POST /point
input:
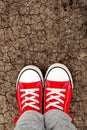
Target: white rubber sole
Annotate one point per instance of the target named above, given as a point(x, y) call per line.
point(30, 67)
point(60, 66)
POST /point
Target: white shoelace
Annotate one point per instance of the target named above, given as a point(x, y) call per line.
point(25, 94)
point(59, 94)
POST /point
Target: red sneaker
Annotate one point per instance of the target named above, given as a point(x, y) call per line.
point(29, 89)
point(58, 88)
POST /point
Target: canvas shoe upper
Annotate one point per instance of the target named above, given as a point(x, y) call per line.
point(58, 88)
point(29, 89)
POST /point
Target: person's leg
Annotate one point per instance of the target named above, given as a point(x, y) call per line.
point(57, 98)
point(58, 120)
point(29, 98)
point(30, 120)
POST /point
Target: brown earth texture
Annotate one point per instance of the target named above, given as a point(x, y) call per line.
point(42, 32)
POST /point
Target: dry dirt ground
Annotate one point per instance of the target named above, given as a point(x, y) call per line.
point(42, 32)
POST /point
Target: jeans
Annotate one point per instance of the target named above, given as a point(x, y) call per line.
point(52, 120)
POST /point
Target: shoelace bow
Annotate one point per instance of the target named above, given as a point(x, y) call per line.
point(59, 94)
point(26, 93)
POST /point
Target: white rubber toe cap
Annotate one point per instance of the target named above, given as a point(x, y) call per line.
point(58, 74)
point(29, 76)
